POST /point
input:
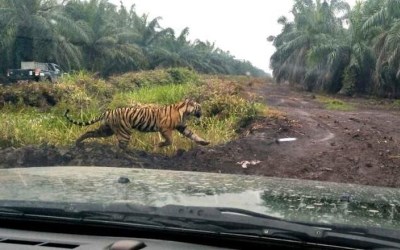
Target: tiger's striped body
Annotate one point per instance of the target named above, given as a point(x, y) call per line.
point(162, 119)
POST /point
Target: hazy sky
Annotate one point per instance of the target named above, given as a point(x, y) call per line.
point(238, 26)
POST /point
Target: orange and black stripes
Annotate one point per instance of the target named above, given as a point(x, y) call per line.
point(164, 119)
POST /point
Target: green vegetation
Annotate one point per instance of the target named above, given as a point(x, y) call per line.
point(329, 46)
point(165, 94)
point(396, 103)
point(98, 36)
point(134, 80)
point(38, 121)
point(335, 104)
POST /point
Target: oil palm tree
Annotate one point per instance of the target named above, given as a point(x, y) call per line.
point(311, 50)
point(110, 47)
point(39, 30)
point(150, 38)
point(358, 72)
point(385, 25)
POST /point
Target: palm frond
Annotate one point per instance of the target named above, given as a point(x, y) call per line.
point(69, 27)
point(380, 18)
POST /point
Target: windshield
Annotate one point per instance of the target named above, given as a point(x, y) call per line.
point(287, 109)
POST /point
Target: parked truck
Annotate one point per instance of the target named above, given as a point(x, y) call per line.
point(35, 71)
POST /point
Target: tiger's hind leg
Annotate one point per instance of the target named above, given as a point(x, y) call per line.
point(102, 131)
point(192, 136)
point(123, 137)
point(167, 134)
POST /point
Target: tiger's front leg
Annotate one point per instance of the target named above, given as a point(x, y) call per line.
point(192, 136)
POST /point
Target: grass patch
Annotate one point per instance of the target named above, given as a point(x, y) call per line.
point(165, 94)
point(396, 103)
point(26, 126)
point(335, 104)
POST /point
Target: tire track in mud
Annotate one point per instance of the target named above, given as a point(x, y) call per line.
point(295, 106)
point(313, 138)
point(318, 135)
point(353, 147)
point(323, 136)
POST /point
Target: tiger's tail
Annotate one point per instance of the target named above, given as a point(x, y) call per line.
point(80, 123)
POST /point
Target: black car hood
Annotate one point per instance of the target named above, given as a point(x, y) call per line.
point(299, 200)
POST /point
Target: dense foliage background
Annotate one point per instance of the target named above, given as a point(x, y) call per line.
point(329, 46)
point(101, 37)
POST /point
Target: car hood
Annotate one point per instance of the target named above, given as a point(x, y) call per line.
point(299, 200)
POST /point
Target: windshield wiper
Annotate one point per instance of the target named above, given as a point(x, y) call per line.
point(77, 212)
point(242, 221)
point(213, 220)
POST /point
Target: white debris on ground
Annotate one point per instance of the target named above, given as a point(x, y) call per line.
point(287, 139)
point(246, 163)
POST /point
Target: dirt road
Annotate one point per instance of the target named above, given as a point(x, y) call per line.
point(359, 146)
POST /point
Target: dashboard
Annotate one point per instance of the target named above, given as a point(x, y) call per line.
point(29, 234)
point(11, 239)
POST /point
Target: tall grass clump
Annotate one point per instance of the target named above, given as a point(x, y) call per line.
point(89, 83)
point(225, 111)
point(134, 80)
point(25, 126)
point(165, 94)
point(235, 112)
point(30, 126)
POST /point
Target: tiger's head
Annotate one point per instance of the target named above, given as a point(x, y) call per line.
point(192, 108)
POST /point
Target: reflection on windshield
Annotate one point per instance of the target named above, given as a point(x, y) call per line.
point(327, 209)
point(320, 202)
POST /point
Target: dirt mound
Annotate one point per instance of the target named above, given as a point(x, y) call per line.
point(30, 94)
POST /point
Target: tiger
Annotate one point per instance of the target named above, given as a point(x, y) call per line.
point(144, 118)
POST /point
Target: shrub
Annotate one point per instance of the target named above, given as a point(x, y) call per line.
point(237, 110)
point(133, 80)
point(89, 83)
point(183, 75)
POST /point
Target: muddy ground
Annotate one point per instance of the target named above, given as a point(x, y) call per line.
point(359, 146)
